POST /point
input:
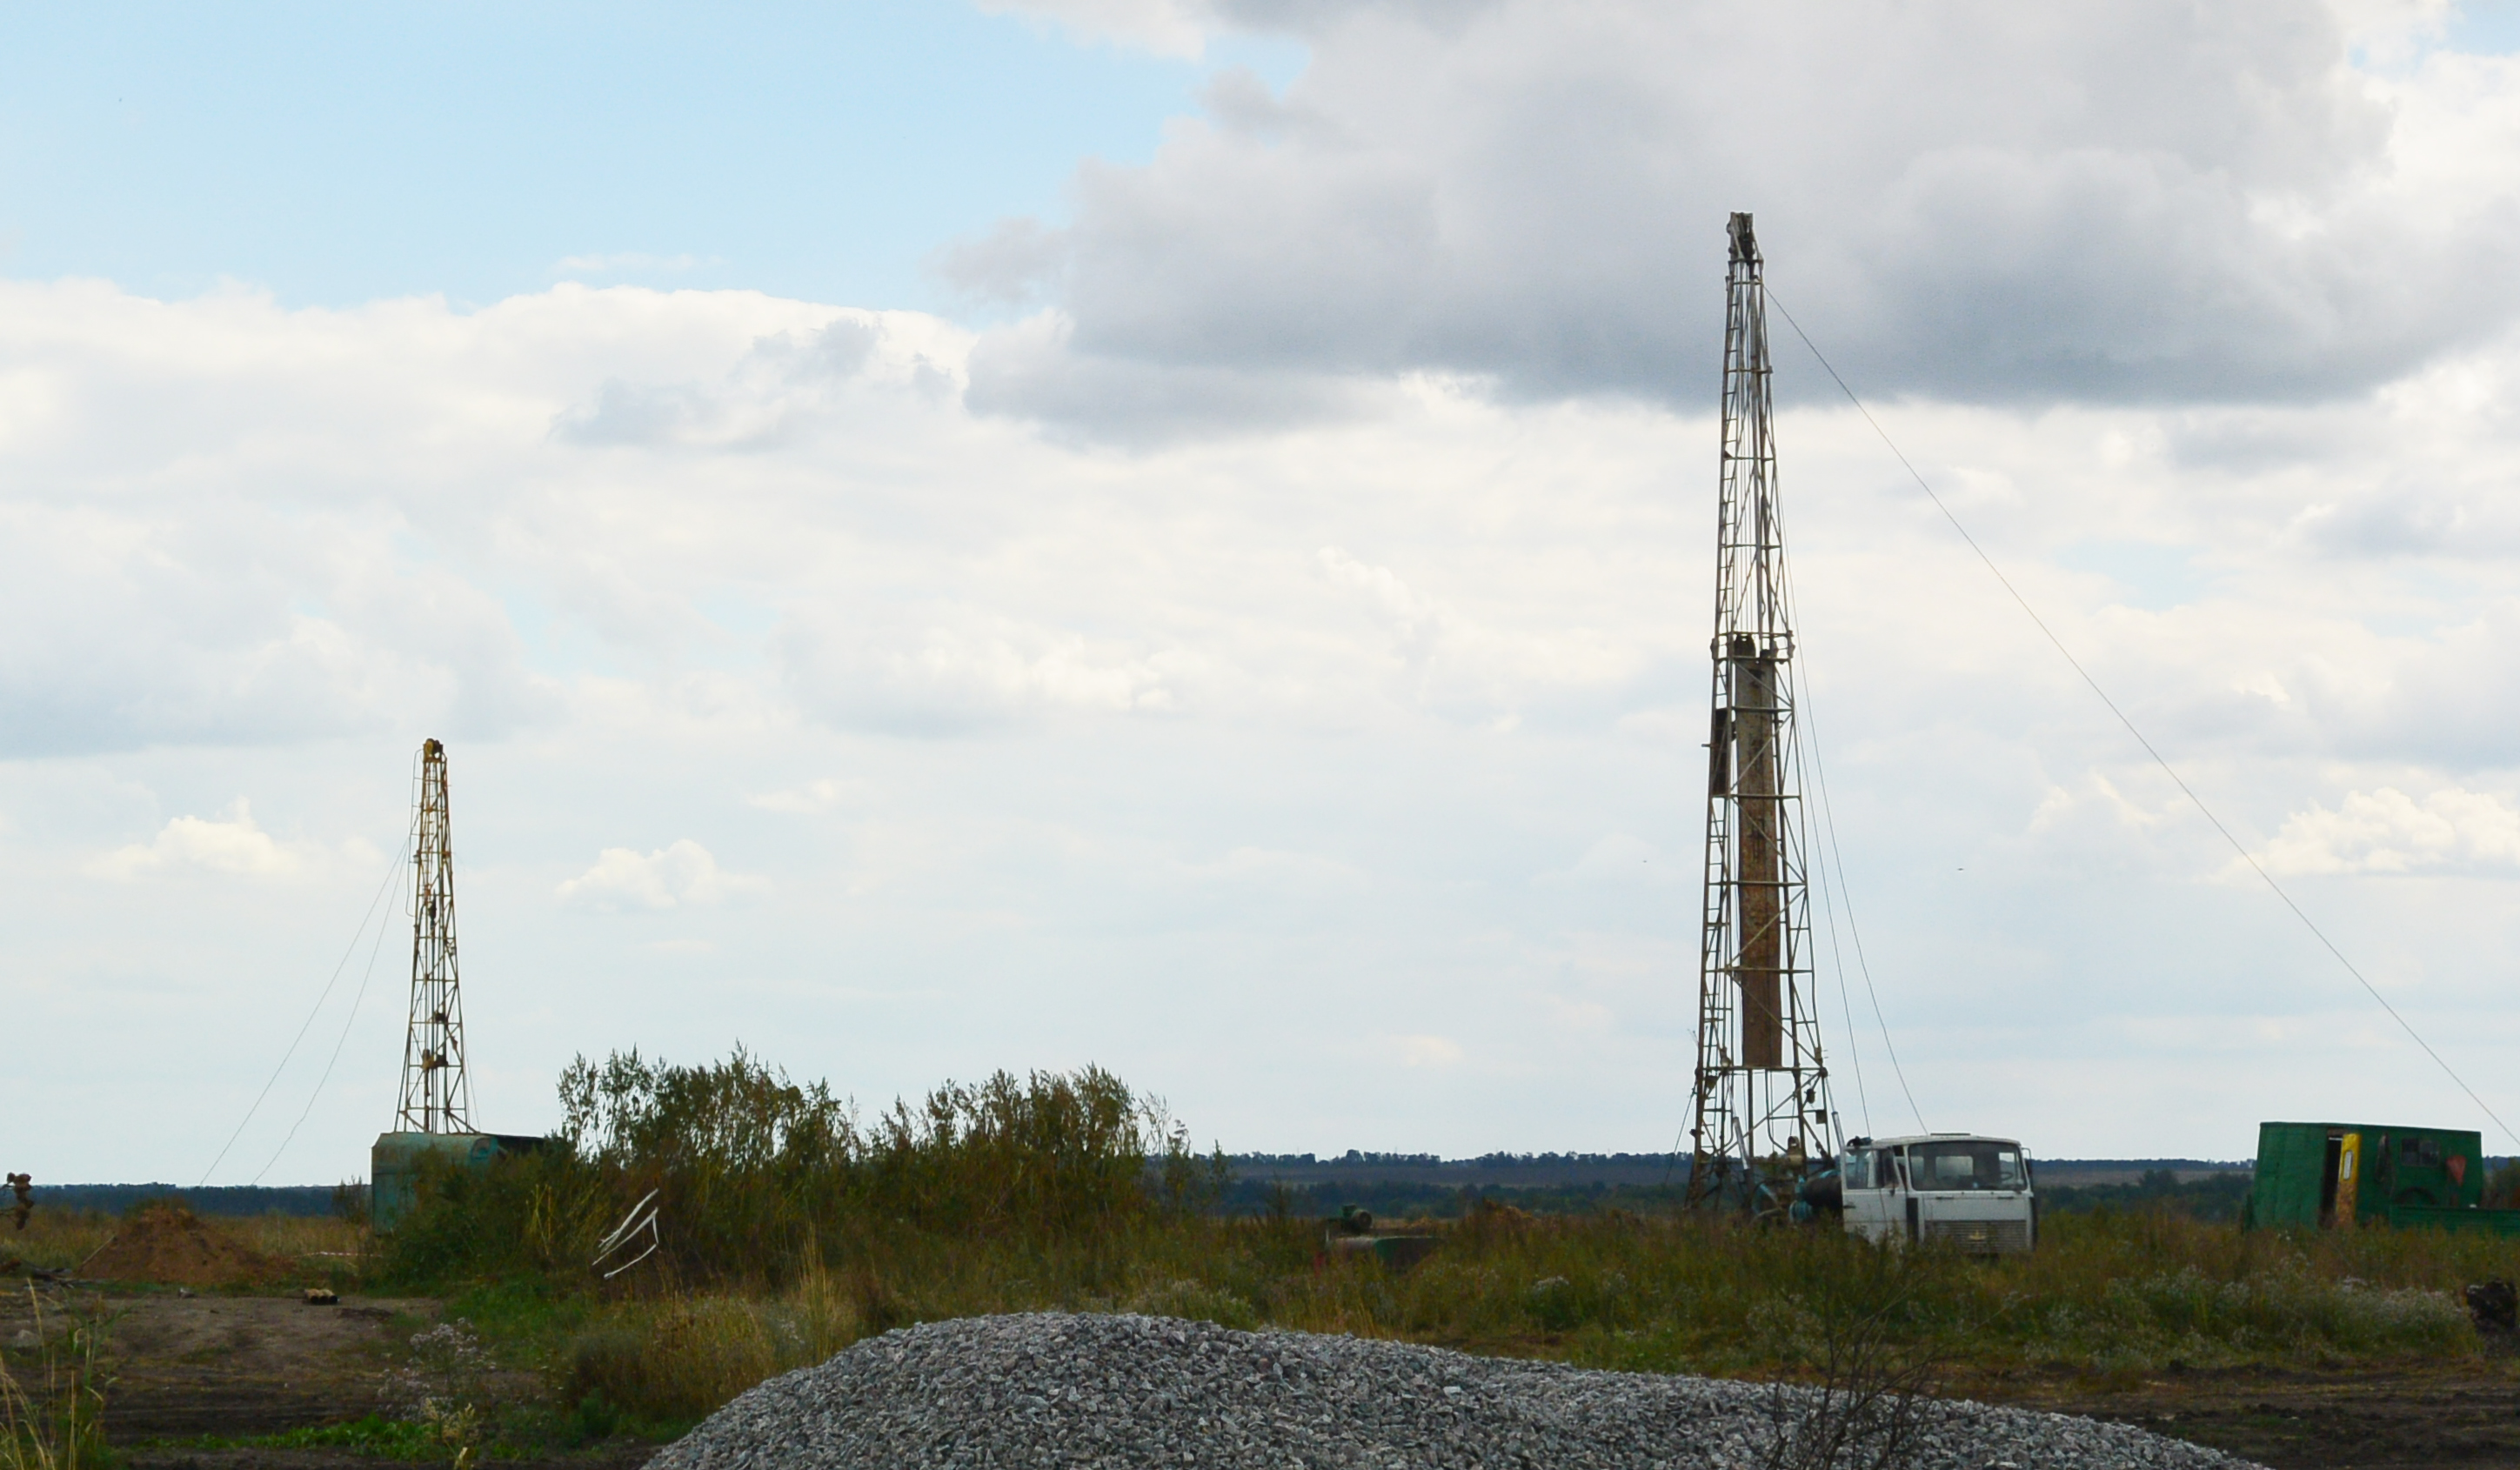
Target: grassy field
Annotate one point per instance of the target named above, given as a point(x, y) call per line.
point(2109, 1294)
point(790, 1231)
point(2112, 1294)
point(59, 1239)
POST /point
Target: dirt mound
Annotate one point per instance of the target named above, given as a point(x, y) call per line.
point(167, 1243)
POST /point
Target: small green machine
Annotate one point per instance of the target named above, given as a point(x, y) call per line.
point(2335, 1176)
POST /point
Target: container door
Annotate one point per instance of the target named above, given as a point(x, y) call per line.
point(2349, 1176)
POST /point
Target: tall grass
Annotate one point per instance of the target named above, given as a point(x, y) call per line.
point(678, 1356)
point(60, 1240)
point(57, 1238)
point(312, 1240)
point(52, 1394)
point(791, 1228)
point(753, 1174)
point(2106, 1294)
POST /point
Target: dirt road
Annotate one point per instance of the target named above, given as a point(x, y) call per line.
point(236, 1365)
point(231, 1365)
point(2362, 1419)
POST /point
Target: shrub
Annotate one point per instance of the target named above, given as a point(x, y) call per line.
point(755, 1177)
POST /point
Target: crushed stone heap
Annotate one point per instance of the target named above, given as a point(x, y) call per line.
point(1056, 1389)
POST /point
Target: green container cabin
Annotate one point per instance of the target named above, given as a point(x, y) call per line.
point(394, 1166)
point(2329, 1175)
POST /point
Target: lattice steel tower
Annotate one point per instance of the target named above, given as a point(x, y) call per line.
point(1760, 1116)
point(435, 1098)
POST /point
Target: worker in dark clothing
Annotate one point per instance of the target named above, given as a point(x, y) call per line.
point(24, 1187)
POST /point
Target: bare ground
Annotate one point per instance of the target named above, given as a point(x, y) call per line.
point(234, 1367)
point(240, 1365)
point(2412, 1419)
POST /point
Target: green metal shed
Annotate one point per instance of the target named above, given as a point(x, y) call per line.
point(2323, 1176)
point(394, 1166)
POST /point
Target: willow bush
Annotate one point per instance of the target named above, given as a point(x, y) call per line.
point(754, 1176)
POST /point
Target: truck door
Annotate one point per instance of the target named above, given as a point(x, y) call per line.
point(1869, 1209)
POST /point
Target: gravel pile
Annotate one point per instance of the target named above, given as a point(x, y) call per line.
point(1053, 1389)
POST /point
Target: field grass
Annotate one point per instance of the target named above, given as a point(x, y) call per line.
point(61, 1239)
point(2107, 1294)
point(790, 1229)
point(56, 1239)
point(2110, 1293)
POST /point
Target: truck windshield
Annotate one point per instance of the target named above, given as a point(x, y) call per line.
point(1973, 1164)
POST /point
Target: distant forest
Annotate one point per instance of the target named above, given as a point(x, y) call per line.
point(1394, 1187)
point(217, 1199)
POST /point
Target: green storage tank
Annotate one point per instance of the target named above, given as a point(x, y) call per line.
point(2326, 1176)
point(395, 1162)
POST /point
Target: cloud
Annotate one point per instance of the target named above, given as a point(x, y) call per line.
point(1165, 27)
point(784, 386)
point(964, 675)
point(676, 877)
point(1297, 711)
point(1030, 371)
point(818, 796)
point(1622, 859)
point(2387, 832)
point(630, 261)
point(1429, 1052)
point(2090, 202)
point(1260, 866)
point(228, 844)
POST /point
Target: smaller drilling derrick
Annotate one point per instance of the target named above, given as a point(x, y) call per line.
point(1760, 1116)
point(435, 1096)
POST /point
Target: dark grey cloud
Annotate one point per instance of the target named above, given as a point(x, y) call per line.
point(1031, 372)
point(2138, 201)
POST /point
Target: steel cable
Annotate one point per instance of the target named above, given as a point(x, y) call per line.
point(1837, 859)
point(356, 1000)
point(311, 1014)
point(2187, 790)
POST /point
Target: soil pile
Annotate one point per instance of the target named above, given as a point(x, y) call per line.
point(167, 1243)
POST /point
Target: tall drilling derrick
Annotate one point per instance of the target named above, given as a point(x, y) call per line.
point(435, 1098)
point(1760, 1116)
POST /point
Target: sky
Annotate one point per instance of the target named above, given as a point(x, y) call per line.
point(1176, 534)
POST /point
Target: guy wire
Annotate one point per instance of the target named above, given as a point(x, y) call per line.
point(2157, 759)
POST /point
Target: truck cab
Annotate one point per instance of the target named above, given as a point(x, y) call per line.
point(1969, 1191)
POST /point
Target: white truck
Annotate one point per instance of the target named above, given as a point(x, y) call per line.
point(1966, 1192)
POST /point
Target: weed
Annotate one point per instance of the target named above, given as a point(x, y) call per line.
point(790, 1229)
point(594, 1419)
point(374, 1436)
point(57, 1422)
point(680, 1356)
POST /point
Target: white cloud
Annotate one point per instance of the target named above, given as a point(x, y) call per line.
point(227, 845)
point(671, 877)
point(817, 795)
point(1430, 1052)
point(1260, 866)
point(2386, 831)
point(2151, 202)
point(626, 261)
point(985, 674)
point(2095, 793)
point(679, 557)
point(1623, 859)
point(1165, 27)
